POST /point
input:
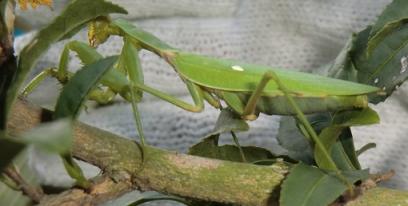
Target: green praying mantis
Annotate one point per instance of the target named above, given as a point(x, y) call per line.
point(247, 89)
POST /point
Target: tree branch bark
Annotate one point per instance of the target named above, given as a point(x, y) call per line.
point(174, 173)
point(102, 190)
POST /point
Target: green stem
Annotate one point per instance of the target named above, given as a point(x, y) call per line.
point(136, 116)
point(235, 138)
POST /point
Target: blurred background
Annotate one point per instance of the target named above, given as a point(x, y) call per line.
point(298, 34)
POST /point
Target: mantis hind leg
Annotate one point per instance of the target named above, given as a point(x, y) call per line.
point(249, 110)
point(250, 107)
point(270, 75)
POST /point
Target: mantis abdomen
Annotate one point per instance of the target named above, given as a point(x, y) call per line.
point(279, 105)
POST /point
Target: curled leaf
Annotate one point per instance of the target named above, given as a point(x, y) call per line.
point(366, 147)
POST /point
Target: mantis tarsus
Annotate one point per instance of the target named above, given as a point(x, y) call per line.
point(247, 89)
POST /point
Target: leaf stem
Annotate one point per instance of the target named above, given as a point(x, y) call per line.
point(34, 193)
point(235, 138)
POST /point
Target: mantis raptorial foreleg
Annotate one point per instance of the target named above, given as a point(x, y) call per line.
point(62, 74)
point(35, 82)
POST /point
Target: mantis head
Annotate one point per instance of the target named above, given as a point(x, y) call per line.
point(99, 30)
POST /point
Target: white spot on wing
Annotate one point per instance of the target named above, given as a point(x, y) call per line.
point(404, 64)
point(376, 80)
point(237, 68)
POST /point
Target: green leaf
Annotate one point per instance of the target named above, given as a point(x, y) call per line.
point(356, 118)
point(344, 152)
point(229, 121)
point(73, 31)
point(71, 99)
point(12, 197)
point(209, 147)
point(77, 13)
point(387, 66)
point(390, 27)
point(393, 16)
point(310, 186)
point(342, 67)
point(9, 148)
point(76, 90)
point(396, 10)
point(291, 139)
point(155, 196)
point(328, 137)
point(137, 198)
point(54, 137)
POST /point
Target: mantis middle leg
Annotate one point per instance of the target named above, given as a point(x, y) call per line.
point(194, 90)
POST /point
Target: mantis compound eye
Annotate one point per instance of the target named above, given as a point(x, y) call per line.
point(99, 31)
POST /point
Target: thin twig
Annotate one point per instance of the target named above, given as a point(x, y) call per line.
point(33, 192)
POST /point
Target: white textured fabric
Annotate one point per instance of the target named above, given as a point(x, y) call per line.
point(300, 34)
